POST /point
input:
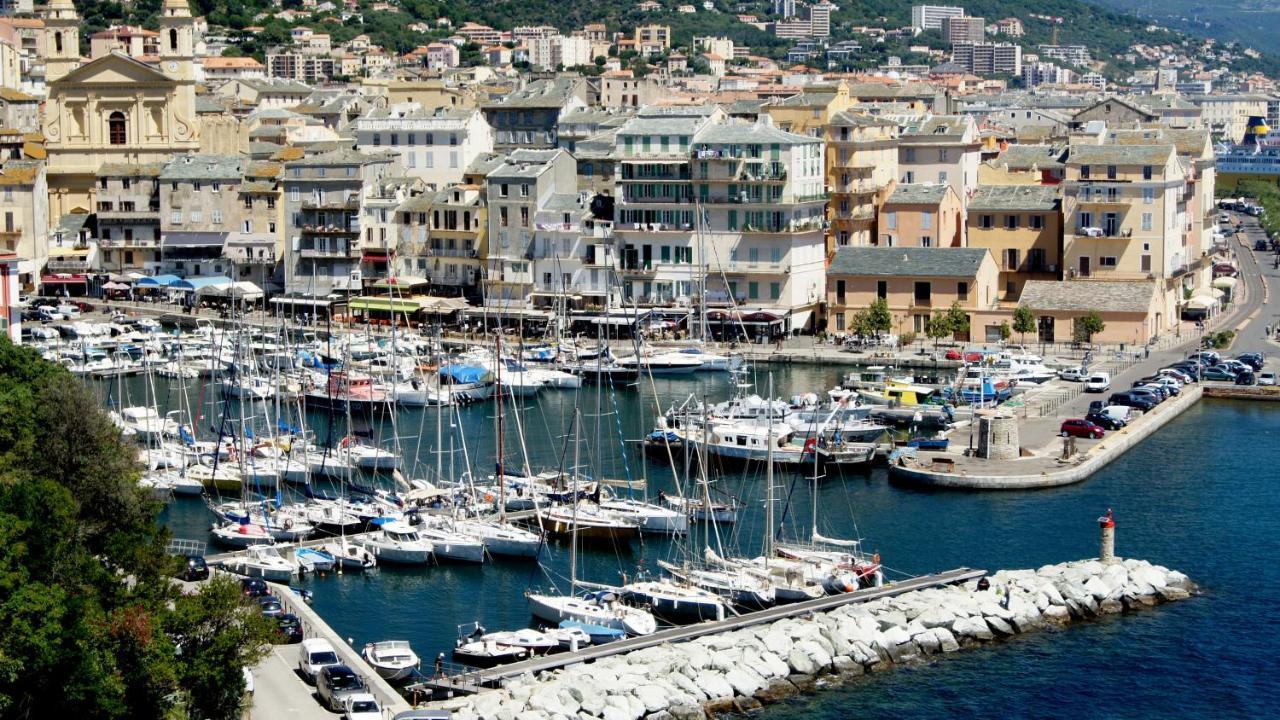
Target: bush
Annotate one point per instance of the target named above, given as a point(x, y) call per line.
point(1220, 340)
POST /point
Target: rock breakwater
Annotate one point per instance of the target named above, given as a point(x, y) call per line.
point(740, 670)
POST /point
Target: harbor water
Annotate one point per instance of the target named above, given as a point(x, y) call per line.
point(1197, 496)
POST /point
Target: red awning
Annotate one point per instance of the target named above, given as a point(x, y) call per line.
point(374, 258)
point(64, 279)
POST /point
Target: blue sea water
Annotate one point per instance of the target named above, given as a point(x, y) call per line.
point(1198, 496)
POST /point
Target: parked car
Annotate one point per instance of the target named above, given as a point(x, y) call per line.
point(290, 628)
point(1098, 382)
point(1082, 428)
point(254, 587)
point(315, 655)
point(1176, 374)
point(1171, 386)
point(336, 683)
point(195, 568)
point(1104, 421)
point(1073, 374)
point(1236, 366)
point(1260, 244)
point(361, 707)
point(68, 310)
point(1133, 400)
point(1247, 378)
point(1209, 356)
point(1266, 377)
point(270, 606)
point(1159, 391)
point(46, 314)
point(1151, 393)
point(1217, 372)
point(1252, 359)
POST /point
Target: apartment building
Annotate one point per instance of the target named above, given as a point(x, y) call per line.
point(940, 149)
point(443, 238)
point(653, 39)
point(1126, 207)
point(1226, 116)
point(862, 168)
point(24, 218)
point(200, 206)
point(292, 65)
point(1022, 227)
point(915, 283)
point(964, 29)
point(556, 52)
point(324, 196)
point(926, 216)
point(526, 118)
point(435, 145)
point(532, 243)
point(988, 58)
point(128, 212)
point(930, 17)
point(257, 246)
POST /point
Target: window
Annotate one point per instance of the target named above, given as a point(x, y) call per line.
point(502, 216)
point(891, 220)
point(294, 194)
point(503, 190)
point(909, 177)
point(413, 138)
point(1084, 172)
point(195, 216)
point(195, 186)
point(775, 290)
point(57, 42)
point(942, 177)
point(116, 129)
point(395, 138)
point(271, 228)
point(248, 202)
point(215, 217)
point(908, 155)
point(453, 158)
point(942, 155)
point(524, 217)
point(926, 241)
point(882, 289)
point(1010, 222)
point(840, 292)
point(524, 190)
point(1148, 196)
point(1146, 221)
point(775, 255)
point(1011, 259)
point(124, 183)
point(1146, 263)
point(926, 220)
point(175, 217)
point(1146, 172)
point(753, 290)
point(840, 320)
point(217, 186)
point(753, 255)
point(377, 139)
point(173, 39)
point(986, 222)
point(962, 290)
point(1037, 222)
point(246, 226)
point(1111, 172)
point(923, 293)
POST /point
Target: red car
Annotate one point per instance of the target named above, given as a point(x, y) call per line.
point(969, 357)
point(1081, 428)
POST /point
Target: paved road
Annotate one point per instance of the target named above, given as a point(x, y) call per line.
point(279, 692)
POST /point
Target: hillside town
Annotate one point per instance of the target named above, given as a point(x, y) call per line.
point(615, 171)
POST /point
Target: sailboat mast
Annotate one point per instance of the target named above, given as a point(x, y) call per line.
point(502, 485)
point(573, 535)
point(768, 465)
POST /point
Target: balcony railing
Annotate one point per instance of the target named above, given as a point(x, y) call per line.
point(350, 229)
point(1103, 232)
point(150, 214)
point(327, 253)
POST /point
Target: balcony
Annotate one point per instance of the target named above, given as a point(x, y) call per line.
point(67, 266)
point(152, 214)
point(11, 232)
point(350, 229)
point(739, 267)
point(557, 227)
point(1026, 267)
point(656, 227)
point(1109, 233)
point(327, 253)
point(347, 204)
point(452, 252)
point(1105, 201)
point(860, 213)
point(128, 243)
point(675, 173)
point(625, 199)
point(1107, 273)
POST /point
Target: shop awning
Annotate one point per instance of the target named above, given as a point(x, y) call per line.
point(197, 284)
point(243, 289)
point(1205, 302)
point(114, 286)
point(304, 301)
point(370, 257)
point(405, 305)
point(401, 281)
point(1225, 283)
point(64, 279)
point(158, 281)
point(510, 313)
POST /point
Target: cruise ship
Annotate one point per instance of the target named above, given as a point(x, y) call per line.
point(1256, 158)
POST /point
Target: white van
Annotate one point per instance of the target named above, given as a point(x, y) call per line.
point(1098, 382)
point(1120, 413)
point(314, 655)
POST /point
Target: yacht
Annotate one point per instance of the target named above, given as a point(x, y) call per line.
point(661, 363)
point(589, 521)
point(263, 561)
point(398, 542)
point(676, 602)
point(601, 607)
point(393, 660)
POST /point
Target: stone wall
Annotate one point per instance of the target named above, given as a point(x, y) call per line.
point(741, 670)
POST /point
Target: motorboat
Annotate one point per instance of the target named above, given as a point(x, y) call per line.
point(250, 387)
point(349, 556)
point(392, 659)
point(241, 534)
point(148, 425)
point(667, 363)
point(487, 653)
point(602, 608)
point(711, 362)
point(597, 634)
point(314, 559)
point(466, 382)
point(398, 542)
point(367, 457)
point(263, 561)
point(450, 544)
point(501, 538)
point(897, 393)
point(651, 519)
point(347, 391)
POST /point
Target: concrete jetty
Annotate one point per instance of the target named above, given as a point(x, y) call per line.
point(738, 671)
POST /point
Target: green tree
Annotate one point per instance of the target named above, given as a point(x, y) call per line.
point(860, 324)
point(1005, 330)
point(88, 612)
point(1086, 326)
point(1024, 321)
point(879, 319)
point(938, 327)
point(959, 318)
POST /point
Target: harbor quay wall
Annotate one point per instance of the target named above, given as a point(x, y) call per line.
point(1113, 446)
point(740, 670)
point(313, 626)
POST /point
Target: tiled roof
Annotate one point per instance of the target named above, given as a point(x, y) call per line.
point(912, 262)
point(1014, 197)
point(1119, 154)
point(918, 194)
point(203, 167)
point(130, 169)
point(1086, 295)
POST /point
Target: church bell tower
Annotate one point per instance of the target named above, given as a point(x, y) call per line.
point(62, 40)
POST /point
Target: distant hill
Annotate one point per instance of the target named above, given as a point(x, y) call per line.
point(1253, 23)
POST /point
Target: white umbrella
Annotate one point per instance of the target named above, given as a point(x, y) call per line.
point(1225, 283)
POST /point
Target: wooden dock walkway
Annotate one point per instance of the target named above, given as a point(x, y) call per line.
point(470, 682)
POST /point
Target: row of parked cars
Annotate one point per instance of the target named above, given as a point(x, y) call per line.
point(1243, 369)
point(47, 309)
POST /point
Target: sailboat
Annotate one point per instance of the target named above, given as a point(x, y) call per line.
point(602, 607)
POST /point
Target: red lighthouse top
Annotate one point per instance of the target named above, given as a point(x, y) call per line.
point(1108, 520)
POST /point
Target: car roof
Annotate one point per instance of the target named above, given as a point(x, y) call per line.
point(314, 644)
point(338, 670)
point(361, 697)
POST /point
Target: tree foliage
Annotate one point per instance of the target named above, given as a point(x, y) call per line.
point(879, 319)
point(1086, 326)
point(958, 318)
point(1024, 321)
point(86, 625)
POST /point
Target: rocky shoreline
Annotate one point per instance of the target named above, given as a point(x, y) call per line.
point(739, 671)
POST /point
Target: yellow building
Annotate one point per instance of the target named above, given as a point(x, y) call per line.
point(862, 163)
point(114, 109)
point(1022, 227)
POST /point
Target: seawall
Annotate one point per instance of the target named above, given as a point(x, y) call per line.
point(739, 671)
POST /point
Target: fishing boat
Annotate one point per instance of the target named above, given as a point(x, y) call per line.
point(397, 542)
point(393, 660)
point(897, 393)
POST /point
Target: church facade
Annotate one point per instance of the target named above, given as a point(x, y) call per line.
point(114, 109)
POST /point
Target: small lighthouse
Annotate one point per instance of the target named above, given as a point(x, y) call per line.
point(1107, 539)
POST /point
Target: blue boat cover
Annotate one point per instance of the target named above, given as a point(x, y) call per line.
point(460, 374)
